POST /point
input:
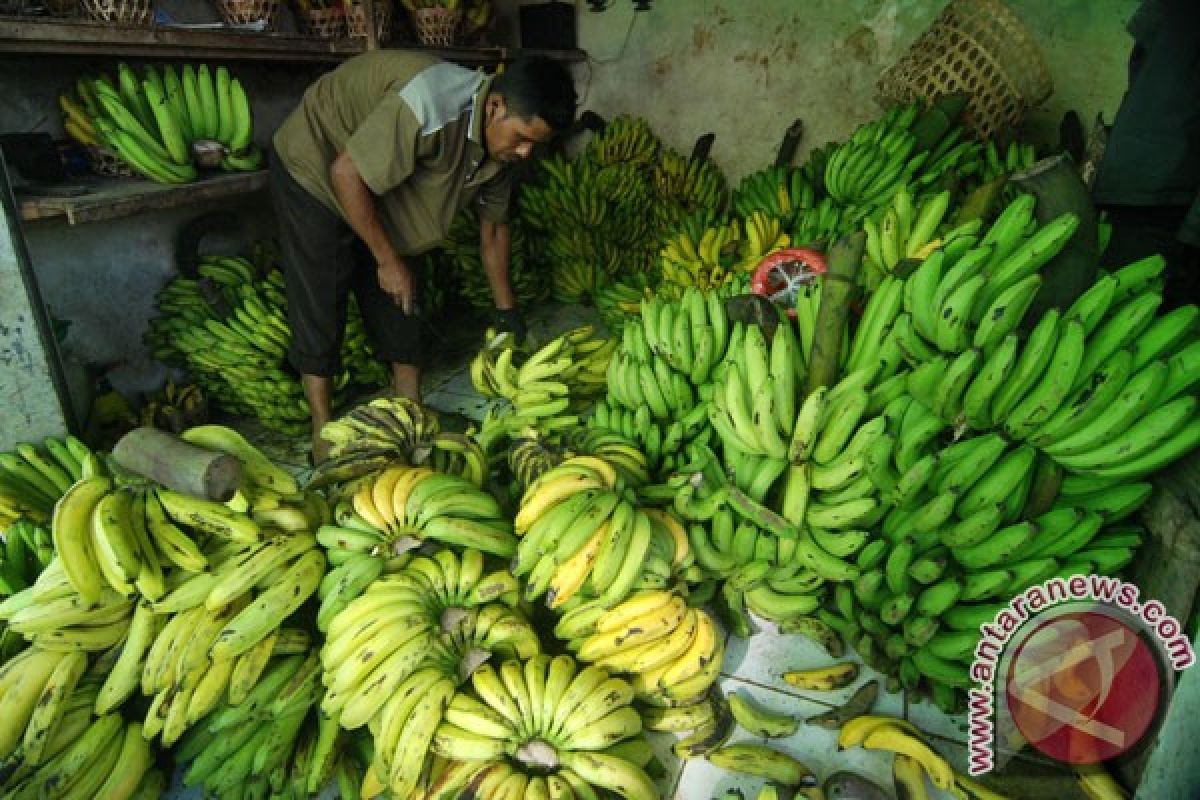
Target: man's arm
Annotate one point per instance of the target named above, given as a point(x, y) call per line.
point(494, 250)
point(358, 204)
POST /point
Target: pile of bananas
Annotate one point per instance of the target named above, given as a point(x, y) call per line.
point(1017, 156)
point(874, 163)
point(706, 253)
point(550, 385)
point(229, 328)
point(54, 742)
point(417, 633)
point(33, 478)
point(541, 727)
point(175, 408)
point(602, 214)
point(395, 430)
point(530, 284)
point(778, 192)
point(686, 186)
point(154, 123)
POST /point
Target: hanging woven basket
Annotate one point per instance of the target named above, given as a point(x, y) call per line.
point(325, 23)
point(356, 20)
point(249, 12)
point(437, 27)
point(120, 12)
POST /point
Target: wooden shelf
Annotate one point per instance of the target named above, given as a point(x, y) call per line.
point(111, 198)
point(22, 36)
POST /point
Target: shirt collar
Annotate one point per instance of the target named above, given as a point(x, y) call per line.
point(485, 167)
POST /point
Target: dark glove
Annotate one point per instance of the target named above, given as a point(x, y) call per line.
point(510, 320)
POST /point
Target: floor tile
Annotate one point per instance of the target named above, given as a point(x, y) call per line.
point(815, 747)
point(763, 658)
point(929, 718)
point(672, 766)
point(471, 405)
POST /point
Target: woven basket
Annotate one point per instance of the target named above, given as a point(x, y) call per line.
point(978, 47)
point(107, 163)
point(246, 12)
point(325, 23)
point(356, 20)
point(437, 27)
point(123, 12)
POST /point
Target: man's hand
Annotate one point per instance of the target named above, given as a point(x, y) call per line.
point(510, 320)
point(396, 280)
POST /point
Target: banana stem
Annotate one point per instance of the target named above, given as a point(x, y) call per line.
point(840, 288)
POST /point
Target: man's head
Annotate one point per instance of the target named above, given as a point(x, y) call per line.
point(531, 101)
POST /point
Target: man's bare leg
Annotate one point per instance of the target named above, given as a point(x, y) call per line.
point(318, 389)
point(406, 381)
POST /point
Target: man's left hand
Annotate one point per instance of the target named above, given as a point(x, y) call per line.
point(510, 320)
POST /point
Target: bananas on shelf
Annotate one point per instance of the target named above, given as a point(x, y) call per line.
point(229, 328)
point(153, 122)
point(542, 727)
point(530, 284)
point(34, 476)
point(394, 430)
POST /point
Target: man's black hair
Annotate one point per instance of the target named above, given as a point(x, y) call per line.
point(536, 86)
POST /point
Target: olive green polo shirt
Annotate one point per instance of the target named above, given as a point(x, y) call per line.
point(413, 126)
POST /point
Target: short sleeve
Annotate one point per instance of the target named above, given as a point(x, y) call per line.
point(493, 198)
point(384, 147)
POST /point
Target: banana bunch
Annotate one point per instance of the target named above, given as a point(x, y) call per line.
point(582, 542)
point(624, 140)
point(548, 385)
point(27, 549)
point(529, 284)
point(33, 478)
point(671, 653)
point(619, 451)
point(753, 407)
point(618, 300)
point(80, 755)
point(394, 430)
point(906, 230)
point(539, 728)
point(153, 122)
point(1017, 156)
point(229, 328)
point(662, 444)
point(601, 215)
point(761, 571)
point(778, 192)
point(211, 636)
point(820, 225)
point(685, 187)
point(701, 252)
point(530, 455)
point(403, 506)
point(875, 162)
point(260, 745)
point(175, 408)
point(394, 647)
point(971, 294)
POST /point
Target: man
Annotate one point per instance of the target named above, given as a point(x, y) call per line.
point(369, 171)
point(1149, 178)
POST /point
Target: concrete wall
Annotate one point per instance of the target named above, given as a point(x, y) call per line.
point(745, 70)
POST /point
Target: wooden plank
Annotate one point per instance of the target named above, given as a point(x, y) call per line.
point(94, 38)
point(120, 198)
